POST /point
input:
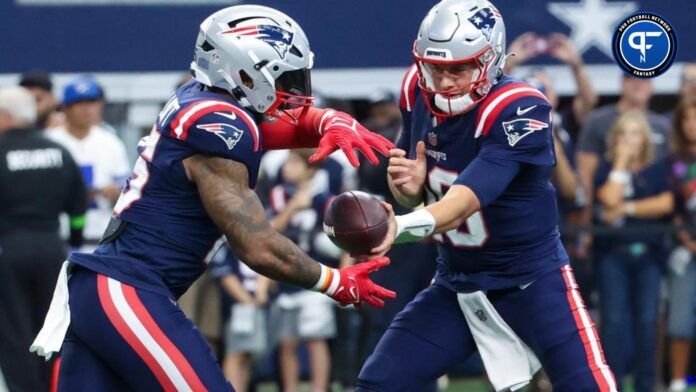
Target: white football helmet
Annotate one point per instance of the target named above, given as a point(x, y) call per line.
point(259, 55)
point(457, 32)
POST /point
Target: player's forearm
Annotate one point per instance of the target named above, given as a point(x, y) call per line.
point(458, 204)
point(454, 209)
point(238, 213)
point(280, 259)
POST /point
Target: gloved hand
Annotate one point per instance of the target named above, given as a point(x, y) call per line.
point(352, 285)
point(340, 130)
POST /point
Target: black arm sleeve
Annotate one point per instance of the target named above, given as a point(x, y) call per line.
point(76, 203)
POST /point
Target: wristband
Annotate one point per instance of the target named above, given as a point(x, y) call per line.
point(630, 208)
point(621, 177)
point(414, 226)
point(78, 222)
point(328, 280)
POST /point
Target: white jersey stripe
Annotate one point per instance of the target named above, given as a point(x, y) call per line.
point(249, 121)
point(179, 130)
point(192, 110)
point(491, 106)
point(411, 74)
point(587, 324)
point(138, 329)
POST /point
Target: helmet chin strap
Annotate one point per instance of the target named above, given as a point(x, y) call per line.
point(453, 105)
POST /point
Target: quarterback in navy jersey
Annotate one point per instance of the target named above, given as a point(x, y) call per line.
point(116, 318)
point(477, 149)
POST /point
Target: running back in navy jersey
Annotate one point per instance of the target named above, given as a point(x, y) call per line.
point(168, 231)
point(514, 238)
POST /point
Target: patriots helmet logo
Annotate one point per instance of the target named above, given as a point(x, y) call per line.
point(277, 37)
point(226, 132)
point(521, 127)
point(432, 138)
point(484, 20)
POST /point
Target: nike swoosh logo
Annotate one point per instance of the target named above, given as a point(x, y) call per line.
point(353, 290)
point(353, 293)
point(521, 112)
point(231, 116)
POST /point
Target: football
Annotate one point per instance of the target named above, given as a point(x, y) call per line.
point(356, 222)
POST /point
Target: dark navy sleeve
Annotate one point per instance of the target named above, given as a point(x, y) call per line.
point(409, 90)
point(404, 140)
point(522, 133)
point(488, 178)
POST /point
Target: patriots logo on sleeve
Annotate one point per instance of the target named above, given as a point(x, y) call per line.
point(521, 127)
point(276, 36)
point(226, 132)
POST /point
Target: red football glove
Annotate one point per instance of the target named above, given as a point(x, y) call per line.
point(352, 285)
point(340, 130)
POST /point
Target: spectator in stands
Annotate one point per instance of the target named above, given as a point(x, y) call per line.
point(385, 119)
point(633, 193)
point(688, 81)
point(560, 47)
point(40, 85)
point(246, 335)
point(100, 154)
point(635, 95)
point(300, 315)
point(39, 180)
point(682, 271)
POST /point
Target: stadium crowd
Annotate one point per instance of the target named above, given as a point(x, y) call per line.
point(626, 183)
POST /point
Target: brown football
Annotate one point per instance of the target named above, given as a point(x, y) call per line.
point(356, 222)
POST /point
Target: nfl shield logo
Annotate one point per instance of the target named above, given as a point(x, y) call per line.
point(432, 138)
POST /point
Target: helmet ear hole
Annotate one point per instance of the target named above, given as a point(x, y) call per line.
point(296, 51)
point(246, 79)
point(206, 46)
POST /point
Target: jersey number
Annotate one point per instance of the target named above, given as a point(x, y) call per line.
point(134, 188)
point(473, 233)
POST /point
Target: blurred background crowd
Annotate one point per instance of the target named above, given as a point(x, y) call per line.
point(626, 184)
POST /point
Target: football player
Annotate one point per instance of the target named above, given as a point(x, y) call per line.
point(194, 179)
point(477, 149)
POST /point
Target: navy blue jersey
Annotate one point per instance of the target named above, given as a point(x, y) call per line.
point(168, 232)
point(503, 150)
